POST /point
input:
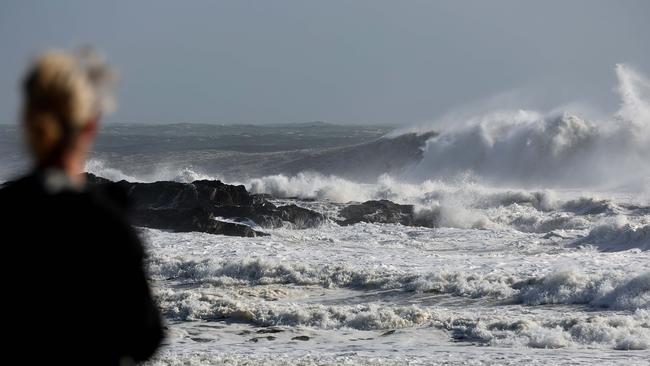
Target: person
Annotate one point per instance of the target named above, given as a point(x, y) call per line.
point(75, 288)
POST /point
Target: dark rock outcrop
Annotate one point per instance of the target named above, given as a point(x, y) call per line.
point(186, 220)
point(385, 212)
point(268, 215)
point(204, 205)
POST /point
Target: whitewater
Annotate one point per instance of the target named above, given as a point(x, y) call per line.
point(538, 250)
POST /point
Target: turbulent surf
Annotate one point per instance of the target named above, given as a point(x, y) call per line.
point(494, 238)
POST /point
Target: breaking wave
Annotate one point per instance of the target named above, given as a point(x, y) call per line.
point(606, 290)
point(461, 204)
point(611, 291)
point(532, 148)
point(516, 148)
point(617, 235)
point(618, 331)
point(184, 175)
point(621, 332)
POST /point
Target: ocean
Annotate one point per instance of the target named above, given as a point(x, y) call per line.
point(538, 251)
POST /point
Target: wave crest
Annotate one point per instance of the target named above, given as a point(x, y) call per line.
point(617, 235)
point(610, 290)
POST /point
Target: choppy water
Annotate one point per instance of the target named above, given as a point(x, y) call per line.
point(382, 294)
point(541, 254)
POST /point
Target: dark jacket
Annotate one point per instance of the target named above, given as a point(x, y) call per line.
point(74, 288)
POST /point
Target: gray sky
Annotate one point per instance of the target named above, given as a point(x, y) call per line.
point(339, 61)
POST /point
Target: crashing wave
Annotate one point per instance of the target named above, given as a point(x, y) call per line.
point(100, 168)
point(622, 332)
point(618, 332)
point(617, 235)
point(517, 148)
point(530, 148)
point(607, 291)
point(537, 224)
point(610, 290)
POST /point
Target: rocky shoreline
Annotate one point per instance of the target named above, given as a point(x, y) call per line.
point(214, 207)
point(204, 205)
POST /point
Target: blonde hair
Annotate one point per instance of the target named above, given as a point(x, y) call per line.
point(61, 93)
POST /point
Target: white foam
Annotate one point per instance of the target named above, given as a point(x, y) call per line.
point(256, 272)
point(99, 168)
point(311, 185)
point(618, 234)
point(507, 327)
point(533, 148)
point(622, 332)
point(184, 175)
point(462, 204)
point(609, 290)
point(612, 290)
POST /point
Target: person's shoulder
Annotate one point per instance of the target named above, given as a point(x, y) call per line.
point(16, 183)
point(110, 217)
point(18, 188)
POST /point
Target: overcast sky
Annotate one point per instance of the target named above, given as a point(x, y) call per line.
point(373, 61)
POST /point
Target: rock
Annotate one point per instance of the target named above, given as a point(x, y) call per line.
point(300, 338)
point(392, 331)
point(205, 206)
point(186, 195)
point(383, 211)
point(270, 216)
point(269, 330)
point(187, 220)
point(256, 339)
point(201, 340)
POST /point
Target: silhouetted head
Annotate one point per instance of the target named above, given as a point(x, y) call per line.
point(64, 95)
